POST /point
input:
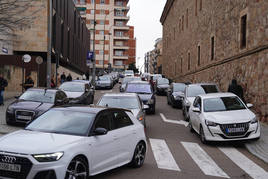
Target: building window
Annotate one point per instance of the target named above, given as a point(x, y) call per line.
point(181, 64)
point(189, 61)
point(101, 52)
point(212, 47)
point(187, 18)
point(92, 11)
point(182, 23)
point(92, 1)
point(198, 55)
point(91, 21)
point(102, 1)
point(102, 42)
point(102, 22)
point(119, 23)
point(119, 53)
point(195, 7)
point(200, 8)
point(243, 34)
point(101, 32)
point(102, 11)
point(174, 30)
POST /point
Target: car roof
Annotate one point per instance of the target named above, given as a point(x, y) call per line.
point(82, 81)
point(216, 95)
point(120, 94)
point(43, 89)
point(138, 82)
point(88, 109)
point(78, 82)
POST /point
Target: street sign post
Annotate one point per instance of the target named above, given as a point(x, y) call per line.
point(90, 57)
point(39, 60)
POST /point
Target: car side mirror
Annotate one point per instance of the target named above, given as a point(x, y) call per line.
point(249, 105)
point(16, 97)
point(59, 102)
point(196, 110)
point(100, 131)
point(145, 107)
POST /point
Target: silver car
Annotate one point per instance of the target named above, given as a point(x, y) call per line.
point(193, 90)
point(129, 101)
point(126, 80)
point(104, 82)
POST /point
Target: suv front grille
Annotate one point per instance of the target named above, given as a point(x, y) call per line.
point(24, 115)
point(226, 128)
point(25, 163)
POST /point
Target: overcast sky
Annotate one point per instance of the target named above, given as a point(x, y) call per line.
point(145, 17)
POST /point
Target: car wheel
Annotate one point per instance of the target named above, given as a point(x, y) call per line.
point(139, 155)
point(190, 126)
point(168, 101)
point(78, 168)
point(202, 135)
point(153, 110)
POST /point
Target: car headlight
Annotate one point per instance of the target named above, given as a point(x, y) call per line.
point(150, 101)
point(48, 157)
point(210, 123)
point(254, 120)
point(188, 103)
point(10, 110)
point(177, 97)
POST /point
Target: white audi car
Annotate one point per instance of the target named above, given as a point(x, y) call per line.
point(73, 142)
point(223, 117)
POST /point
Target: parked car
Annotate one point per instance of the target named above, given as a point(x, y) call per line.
point(32, 103)
point(129, 101)
point(104, 82)
point(162, 85)
point(125, 81)
point(175, 94)
point(68, 142)
point(129, 73)
point(193, 90)
point(78, 92)
point(145, 92)
point(223, 117)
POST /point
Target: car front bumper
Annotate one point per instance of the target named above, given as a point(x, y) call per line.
point(216, 134)
point(53, 170)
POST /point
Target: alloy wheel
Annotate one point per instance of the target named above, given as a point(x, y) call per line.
point(202, 136)
point(139, 155)
point(77, 169)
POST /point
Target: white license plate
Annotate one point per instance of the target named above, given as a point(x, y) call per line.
point(10, 167)
point(24, 117)
point(232, 130)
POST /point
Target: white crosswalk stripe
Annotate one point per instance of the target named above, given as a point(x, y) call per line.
point(162, 155)
point(244, 163)
point(203, 160)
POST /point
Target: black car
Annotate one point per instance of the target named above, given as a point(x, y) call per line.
point(145, 92)
point(33, 103)
point(79, 92)
point(175, 94)
point(162, 84)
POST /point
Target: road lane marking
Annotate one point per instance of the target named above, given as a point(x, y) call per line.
point(162, 155)
point(244, 163)
point(203, 160)
point(173, 121)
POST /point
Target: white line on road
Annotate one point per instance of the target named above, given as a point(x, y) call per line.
point(244, 163)
point(163, 156)
point(203, 160)
point(173, 121)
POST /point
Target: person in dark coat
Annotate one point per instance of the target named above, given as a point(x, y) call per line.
point(62, 78)
point(236, 89)
point(3, 84)
point(69, 77)
point(29, 83)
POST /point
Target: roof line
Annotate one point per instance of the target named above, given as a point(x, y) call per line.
point(165, 12)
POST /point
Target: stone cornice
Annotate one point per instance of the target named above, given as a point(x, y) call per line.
point(166, 11)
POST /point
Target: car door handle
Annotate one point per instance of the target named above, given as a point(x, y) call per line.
point(116, 138)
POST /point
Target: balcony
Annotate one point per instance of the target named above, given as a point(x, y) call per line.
point(122, 7)
point(124, 57)
point(124, 27)
point(121, 47)
point(121, 37)
point(121, 17)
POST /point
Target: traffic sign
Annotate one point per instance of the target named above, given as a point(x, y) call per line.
point(90, 55)
point(26, 58)
point(39, 60)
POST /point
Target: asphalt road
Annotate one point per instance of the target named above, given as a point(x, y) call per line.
point(174, 152)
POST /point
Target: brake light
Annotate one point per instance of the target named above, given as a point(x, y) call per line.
point(140, 119)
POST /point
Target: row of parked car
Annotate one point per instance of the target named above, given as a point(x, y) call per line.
point(63, 132)
point(214, 115)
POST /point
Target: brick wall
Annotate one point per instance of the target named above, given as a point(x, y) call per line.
point(189, 24)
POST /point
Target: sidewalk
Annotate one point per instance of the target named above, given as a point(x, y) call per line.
point(259, 148)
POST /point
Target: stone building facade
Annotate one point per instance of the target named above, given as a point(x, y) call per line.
point(216, 41)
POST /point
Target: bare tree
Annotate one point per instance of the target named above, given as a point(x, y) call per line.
point(16, 14)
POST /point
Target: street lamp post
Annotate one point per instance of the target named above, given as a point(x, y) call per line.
point(49, 42)
point(94, 55)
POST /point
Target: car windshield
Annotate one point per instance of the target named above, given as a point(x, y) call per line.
point(223, 104)
point(104, 78)
point(120, 102)
point(42, 96)
point(155, 77)
point(130, 72)
point(63, 122)
point(162, 81)
point(196, 90)
point(139, 88)
point(178, 87)
point(126, 80)
point(72, 87)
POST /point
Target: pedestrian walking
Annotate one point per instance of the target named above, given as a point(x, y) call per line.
point(3, 84)
point(69, 77)
point(29, 83)
point(52, 83)
point(62, 77)
point(236, 89)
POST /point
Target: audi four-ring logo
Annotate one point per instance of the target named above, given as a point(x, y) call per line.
point(8, 159)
